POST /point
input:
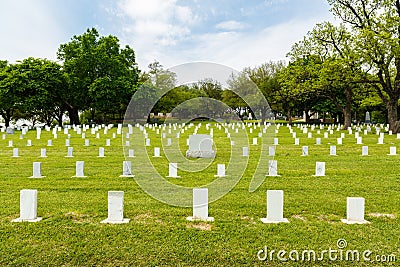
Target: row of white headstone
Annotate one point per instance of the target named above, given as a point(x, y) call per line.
point(126, 170)
point(43, 153)
point(67, 143)
point(79, 171)
point(173, 169)
point(29, 200)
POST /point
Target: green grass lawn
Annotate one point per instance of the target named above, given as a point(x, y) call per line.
point(158, 234)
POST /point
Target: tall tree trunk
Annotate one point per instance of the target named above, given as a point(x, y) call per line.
point(307, 117)
point(347, 118)
point(347, 109)
point(391, 107)
point(263, 114)
point(7, 121)
point(289, 114)
point(7, 117)
point(73, 116)
point(93, 113)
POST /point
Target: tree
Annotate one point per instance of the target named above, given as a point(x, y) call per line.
point(101, 76)
point(375, 25)
point(9, 98)
point(245, 96)
point(340, 69)
point(41, 90)
point(209, 88)
point(298, 90)
point(265, 77)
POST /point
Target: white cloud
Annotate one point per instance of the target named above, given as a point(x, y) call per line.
point(28, 29)
point(164, 30)
point(231, 25)
point(243, 49)
point(153, 25)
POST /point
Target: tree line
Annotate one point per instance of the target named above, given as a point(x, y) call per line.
point(339, 70)
point(93, 75)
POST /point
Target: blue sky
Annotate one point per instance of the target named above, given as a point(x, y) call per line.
point(235, 33)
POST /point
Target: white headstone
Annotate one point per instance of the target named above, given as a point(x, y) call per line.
point(200, 205)
point(131, 153)
point(271, 151)
point(309, 135)
point(67, 142)
point(43, 153)
point(276, 141)
point(380, 141)
point(10, 143)
point(296, 141)
point(318, 141)
point(355, 211)
point(127, 169)
point(173, 170)
point(37, 170)
point(28, 206)
point(245, 151)
point(326, 135)
point(127, 143)
point(115, 208)
point(220, 170)
point(200, 146)
point(364, 151)
point(101, 152)
point(169, 141)
point(255, 141)
point(274, 207)
point(273, 168)
point(319, 169)
point(332, 150)
point(15, 153)
point(69, 153)
point(156, 152)
point(339, 141)
point(80, 165)
point(108, 142)
point(392, 151)
point(147, 142)
point(49, 142)
point(28, 142)
point(304, 151)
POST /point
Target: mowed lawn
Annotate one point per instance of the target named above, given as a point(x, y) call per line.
point(158, 234)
